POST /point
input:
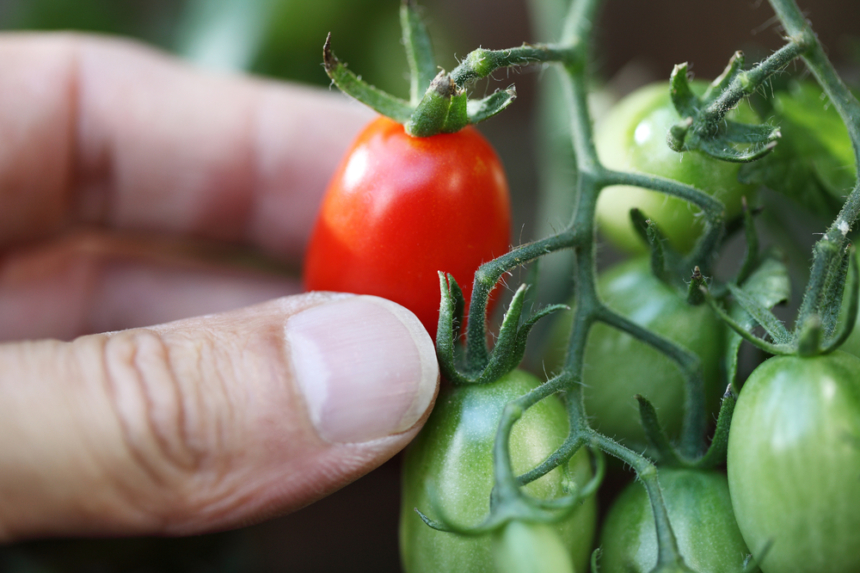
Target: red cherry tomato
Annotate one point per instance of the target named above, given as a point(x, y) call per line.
point(400, 208)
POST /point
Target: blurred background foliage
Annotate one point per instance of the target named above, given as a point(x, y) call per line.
point(637, 42)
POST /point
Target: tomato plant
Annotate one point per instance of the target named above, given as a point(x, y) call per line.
point(401, 208)
point(633, 137)
point(700, 510)
point(450, 464)
point(794, 463)
point(618, 366)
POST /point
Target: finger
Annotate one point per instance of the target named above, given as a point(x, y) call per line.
point(112, 133)
point(207, 423)
point(95, 282)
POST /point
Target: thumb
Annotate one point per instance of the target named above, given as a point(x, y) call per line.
point(207, 423)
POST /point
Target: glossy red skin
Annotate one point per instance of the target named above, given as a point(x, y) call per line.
point(400, 208)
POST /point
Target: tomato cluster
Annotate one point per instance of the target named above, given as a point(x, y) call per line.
point(402, 208)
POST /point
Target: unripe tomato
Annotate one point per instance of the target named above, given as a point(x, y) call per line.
point(452, 460)
point(618, 366)
point(794, 463)
point(530, 548)
point(401, 208)
point(700, 511)
point(632, 137)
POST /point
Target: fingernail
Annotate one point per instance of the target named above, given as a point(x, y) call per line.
point(365, 366)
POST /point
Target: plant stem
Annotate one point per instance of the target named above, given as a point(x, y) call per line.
point(667, 545)
point(830, 246)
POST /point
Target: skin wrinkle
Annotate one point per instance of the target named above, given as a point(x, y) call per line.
point(112, 381)
point(126, 488)
point(172, 439)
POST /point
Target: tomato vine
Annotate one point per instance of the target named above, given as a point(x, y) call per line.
point(439, 103)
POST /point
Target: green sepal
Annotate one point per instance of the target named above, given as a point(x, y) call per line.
point(664, 451)
point(720, 147)
point(419, 51)
point(762, 315)
point(353, 86)
point(482, 109)
point(458, 116)
point(451, 309)
point(431, 116)
point(510, 346)
point(719, 85)
point(685, 101)
point(595, 559)
point(666, 262)
point(751, 255)
point(768, 284)
point(716, 454)
point(695, 291)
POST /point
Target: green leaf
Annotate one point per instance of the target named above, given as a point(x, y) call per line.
point(769, 284)
point(813, 164)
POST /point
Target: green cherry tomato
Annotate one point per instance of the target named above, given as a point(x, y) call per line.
point(632, 137)
point(618, 366)
point(700, 511)
point(794, 463)
point(451, 462)
point(530, 548)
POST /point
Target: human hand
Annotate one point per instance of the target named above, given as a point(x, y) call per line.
point(117, 165)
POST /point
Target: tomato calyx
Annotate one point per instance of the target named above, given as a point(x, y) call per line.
point(704, 127)
point(438, 101)
point(475, 364)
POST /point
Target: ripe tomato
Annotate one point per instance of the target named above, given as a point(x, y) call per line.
point(451, 460)
point(618, 366)
point(401, 208)
point(794, 463)
point(700, 511)
point(632, 137)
